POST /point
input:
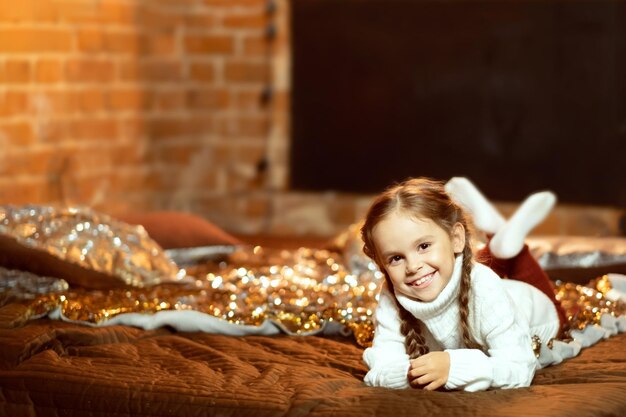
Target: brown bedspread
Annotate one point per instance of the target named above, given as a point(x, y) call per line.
point(55, 368)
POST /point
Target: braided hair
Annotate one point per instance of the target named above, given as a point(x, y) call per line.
point(422, 198)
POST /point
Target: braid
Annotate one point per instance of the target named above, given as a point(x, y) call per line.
point(411, 329)
point(464, 295)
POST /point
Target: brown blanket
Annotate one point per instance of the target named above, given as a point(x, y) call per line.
point(55, 368)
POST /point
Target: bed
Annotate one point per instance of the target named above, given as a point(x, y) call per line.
point(54, 367)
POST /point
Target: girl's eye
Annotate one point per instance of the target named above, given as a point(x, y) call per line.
point(394, 259)
point(424, 246)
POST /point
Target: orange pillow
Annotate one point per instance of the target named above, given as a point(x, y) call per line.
point(175, 229)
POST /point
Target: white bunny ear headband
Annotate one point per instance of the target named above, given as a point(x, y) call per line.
point(508, 235)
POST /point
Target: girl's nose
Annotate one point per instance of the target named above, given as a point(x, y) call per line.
point(412, 266)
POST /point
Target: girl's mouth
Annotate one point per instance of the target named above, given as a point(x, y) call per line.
point(423, 281)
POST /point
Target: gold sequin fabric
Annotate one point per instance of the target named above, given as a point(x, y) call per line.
point(91, 240)
point(585, 305)
point(300, 290)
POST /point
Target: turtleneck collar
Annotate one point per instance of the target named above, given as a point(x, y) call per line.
point(450, 293)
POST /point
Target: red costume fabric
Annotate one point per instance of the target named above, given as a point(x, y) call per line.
point(525, 268)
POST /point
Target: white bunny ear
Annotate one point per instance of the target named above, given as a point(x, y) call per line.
point(509, 240)
point(463, 192)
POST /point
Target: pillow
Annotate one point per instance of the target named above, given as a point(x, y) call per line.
point(173, 229)
point(85, 248)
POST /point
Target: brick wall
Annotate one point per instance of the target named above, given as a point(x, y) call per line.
point(131, 105)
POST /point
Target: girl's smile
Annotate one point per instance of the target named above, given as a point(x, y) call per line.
point(423, 282)
point(417, 254)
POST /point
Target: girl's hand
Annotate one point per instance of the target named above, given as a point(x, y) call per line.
point(430, 371)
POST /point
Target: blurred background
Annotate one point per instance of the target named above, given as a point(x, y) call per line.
point(285, 117)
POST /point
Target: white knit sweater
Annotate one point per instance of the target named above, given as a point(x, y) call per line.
point(503, 315)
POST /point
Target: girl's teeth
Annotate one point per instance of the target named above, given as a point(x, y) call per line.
point(422, 280)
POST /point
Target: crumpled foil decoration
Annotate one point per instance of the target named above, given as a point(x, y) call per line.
point(557, 252)
point(91, 240)
point(300, 290)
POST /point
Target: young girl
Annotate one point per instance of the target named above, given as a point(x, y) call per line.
point(444, 320)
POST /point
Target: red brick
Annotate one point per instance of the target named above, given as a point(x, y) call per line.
point(122, 42)
point(128, 99)
point(32, 163)
point(124, 182)
point(90, 40)
point(55, 102)
point(53, 193)
point(160, 18)
point(247, 72)
point(94, 158)
point(22, 11)
point(248, 100)
point(86, 190)
point(208, 179)
point(90, 70)
point(158, 44)
point(250, 154)
point(127, 154)
point(254, 46)
point(21, 192)
point(204, 72)
point(209, 44)
point(78, 12)
point(53, 131)
point(48, 71)
point(92, 129)
point(172, 128)
point(169, 100)
point(176, 5)
point(133, 128)
point(17, 71)
point(164, 178)
point(223, 152)
point(208, 99)
point(129, 70)
point(19, 133)
point(13, 103)
point(246, 21)
point(244, 126)
point(90, 100)
point(161, 70)
point(35, 40)
point(177, 155)
point(202, 21)
point(113, 12)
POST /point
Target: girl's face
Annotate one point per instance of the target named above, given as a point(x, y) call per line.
point(417, 254)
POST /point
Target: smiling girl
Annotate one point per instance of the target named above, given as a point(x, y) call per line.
point(444, 320)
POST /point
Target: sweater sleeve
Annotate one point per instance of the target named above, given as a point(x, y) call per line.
point(509, 361)
point(387, 358)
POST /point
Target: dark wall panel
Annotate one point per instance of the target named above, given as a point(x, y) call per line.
point(517, 95)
